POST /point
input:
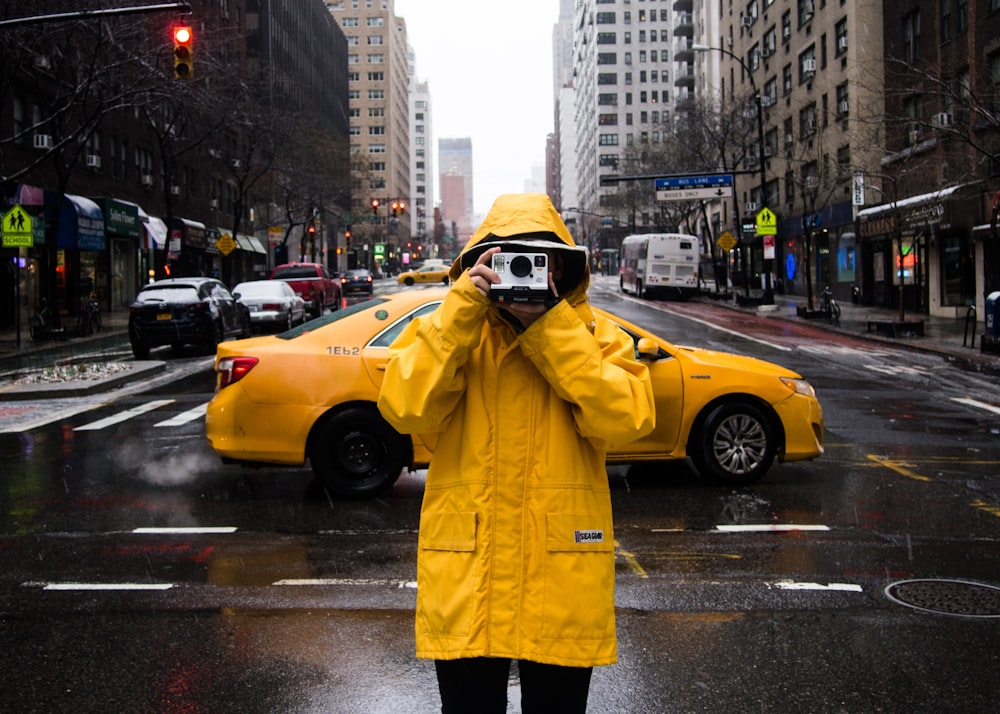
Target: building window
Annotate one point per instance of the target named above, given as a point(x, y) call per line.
point(607, 78)
point(840, 32)
point(606, 38)
point(911, 36)
point(607, 139)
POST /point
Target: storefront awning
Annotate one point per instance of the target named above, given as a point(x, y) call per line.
point(909, 202)
point(155, 235)
point(80, 221)
point(250, 243)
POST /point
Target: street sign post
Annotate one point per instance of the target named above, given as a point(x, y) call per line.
point(693, 188)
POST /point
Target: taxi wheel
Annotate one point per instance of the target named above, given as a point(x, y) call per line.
point(735, 444)
point(408, 281)
point(357, 454)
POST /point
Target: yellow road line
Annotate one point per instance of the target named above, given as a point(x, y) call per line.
point(898, 467)
point(632, 562)
point(988, 508)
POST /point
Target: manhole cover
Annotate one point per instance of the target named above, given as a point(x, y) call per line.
point(948, 597)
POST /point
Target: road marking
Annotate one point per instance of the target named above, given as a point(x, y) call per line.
point(974, 403)
point(185, 531)
point(346, 581)
point(986, 508)
point(184, 417)
point(124, 416)
point(842, 587)
point(769, 528)
point(632, 562)
point(896, 369)
point(104, 586)
point(898, 467)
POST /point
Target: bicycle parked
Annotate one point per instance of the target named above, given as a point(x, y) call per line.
point(89, 320)
point(45, 323)
point(829, 307)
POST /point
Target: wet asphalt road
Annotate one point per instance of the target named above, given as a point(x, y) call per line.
point(141, 575)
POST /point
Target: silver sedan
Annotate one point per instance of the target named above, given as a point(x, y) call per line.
point(273, 305)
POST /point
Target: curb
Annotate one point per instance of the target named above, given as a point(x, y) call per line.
point(25, 392)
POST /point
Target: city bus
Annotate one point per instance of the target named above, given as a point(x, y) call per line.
point(659, 265)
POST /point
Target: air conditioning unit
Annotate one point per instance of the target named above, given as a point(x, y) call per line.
point(214, 203)
point(914, 136)
point(768, 101)
point(43, 141)
point(843, 107)
point(842, 43)
point(942, 120)
point(809, 66)
point(746, 20)
point(768, 151)
point(811, 181)
point(93, 161)
point(767, 51)
point(810, 127)
point(789, 139)
point(42, 62)
point(215, 153)
point(751, 207)
point(786, 32)
point(175, 190)
point(146, 180)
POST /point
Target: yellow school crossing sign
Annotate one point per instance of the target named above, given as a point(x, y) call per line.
point(17, 228)
point(767, 222)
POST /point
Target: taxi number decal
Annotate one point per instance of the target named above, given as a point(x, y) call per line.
point(349, 351)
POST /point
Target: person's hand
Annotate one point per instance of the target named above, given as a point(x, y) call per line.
point(482, 274)
point(528, 312)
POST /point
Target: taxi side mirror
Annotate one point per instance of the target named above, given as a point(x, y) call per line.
point(647, 349)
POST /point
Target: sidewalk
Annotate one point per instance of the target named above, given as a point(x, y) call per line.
point(950, 337)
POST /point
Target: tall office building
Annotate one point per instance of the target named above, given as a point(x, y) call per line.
point(455, 161)
point(422, 172)
point(625, 93)
point(379, 116)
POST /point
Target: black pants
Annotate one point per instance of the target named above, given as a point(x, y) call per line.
point(480, 685)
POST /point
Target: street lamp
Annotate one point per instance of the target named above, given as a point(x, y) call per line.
point(768, 291)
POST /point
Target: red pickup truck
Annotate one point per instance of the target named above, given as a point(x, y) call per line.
point(313, 283)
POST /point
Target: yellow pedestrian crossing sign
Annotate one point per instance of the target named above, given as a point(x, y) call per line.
point(225, 244)
point(17, 228)
point(767, 222)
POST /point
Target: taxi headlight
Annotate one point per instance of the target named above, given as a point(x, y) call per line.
point(799, 386)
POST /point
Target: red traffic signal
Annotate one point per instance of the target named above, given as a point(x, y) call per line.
point(375, 205)
point(183, 52)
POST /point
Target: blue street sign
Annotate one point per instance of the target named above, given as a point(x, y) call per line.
point(685, 188)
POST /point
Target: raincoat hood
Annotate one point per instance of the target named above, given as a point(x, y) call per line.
point(528, 221)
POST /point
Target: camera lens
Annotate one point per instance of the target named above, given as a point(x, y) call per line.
point(520, 266)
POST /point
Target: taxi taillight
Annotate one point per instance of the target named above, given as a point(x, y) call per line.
point(232, 369)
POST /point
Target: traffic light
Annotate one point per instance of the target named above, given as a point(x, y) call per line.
point(183, 52)
point(311, 229)
point(347, 236)
point(398, 208)
point(375, 205)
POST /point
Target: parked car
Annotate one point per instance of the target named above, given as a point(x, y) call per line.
point(425, 274)
point(357, 281)
point(313, 283)
point(273, 305)
point(185, 311)
point(310, 394)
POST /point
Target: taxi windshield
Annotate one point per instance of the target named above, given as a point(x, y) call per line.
point(330, 317)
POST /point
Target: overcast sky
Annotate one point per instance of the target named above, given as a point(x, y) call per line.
point(489, 70)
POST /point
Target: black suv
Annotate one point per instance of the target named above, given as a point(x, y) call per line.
point(185, 311)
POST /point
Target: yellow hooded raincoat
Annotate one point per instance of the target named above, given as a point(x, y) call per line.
point(516, 547)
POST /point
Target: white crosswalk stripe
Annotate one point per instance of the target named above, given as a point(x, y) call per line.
point(124, 416)
point(184, 417)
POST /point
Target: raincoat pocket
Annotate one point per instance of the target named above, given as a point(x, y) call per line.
point(579, 577)
point(446, 571)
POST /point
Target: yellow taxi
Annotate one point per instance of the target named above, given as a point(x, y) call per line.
point(427, 273)
point(309, 394)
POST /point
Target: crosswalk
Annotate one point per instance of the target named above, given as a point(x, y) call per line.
point(179, 419)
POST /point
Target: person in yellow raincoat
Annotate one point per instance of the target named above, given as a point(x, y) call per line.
point(520, 401)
